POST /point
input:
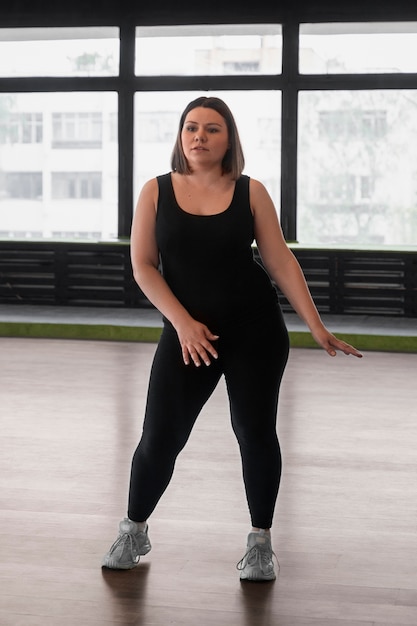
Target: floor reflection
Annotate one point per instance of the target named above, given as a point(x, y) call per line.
point(128, 590)
point(259, 600)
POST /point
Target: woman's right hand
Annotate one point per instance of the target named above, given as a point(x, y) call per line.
point(196, 343)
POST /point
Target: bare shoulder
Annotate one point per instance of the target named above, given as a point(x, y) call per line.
point(144, 216)
point(149, 188)
point(255, 186)
point(260, 200)
point(148, 196)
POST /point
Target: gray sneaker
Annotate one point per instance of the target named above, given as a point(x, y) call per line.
point(257, 564)
point(130, 545)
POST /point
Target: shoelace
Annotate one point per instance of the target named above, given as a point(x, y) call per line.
point(262, 554)
point(122, 540)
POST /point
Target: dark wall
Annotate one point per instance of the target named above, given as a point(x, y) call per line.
point(49, 12)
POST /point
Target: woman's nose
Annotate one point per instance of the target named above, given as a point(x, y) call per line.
point(199, 136)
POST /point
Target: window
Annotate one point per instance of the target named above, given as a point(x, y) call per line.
point(71, 141)
point(346, 188)
point(77, 130)
point(160, 128)
point(23, 185)
point(241, 67)
point(367, 187)
point(350, 123)
point(357, 178)
point(76, 185)
point(59, 51)
point(22, 128)
point(358, 48)
point(208, 49)
point(348, 136)
point(260, 133)
point(113, 127)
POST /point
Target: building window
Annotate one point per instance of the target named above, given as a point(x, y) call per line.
point(241, 67)
point(337, 188)
point(367, 187)
point(113, 128)
point(346, 188)
point(26, 185)
point(374, 123)
point(76, 185)
point(351, 123)
point(76, 130)
point(22, 128)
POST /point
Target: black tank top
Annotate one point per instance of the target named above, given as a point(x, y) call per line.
point(208, 261)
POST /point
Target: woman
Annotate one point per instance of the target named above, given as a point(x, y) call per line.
point(191, 250)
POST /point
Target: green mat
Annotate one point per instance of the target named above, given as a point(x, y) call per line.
point(106, 332)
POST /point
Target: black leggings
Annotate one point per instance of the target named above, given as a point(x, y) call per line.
point(252, 358)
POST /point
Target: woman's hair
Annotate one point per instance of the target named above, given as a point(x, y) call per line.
point(233, 161)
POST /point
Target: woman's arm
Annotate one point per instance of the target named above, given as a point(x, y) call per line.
point(195, 338)
point(285, 270)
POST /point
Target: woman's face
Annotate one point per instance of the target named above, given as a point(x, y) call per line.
point(204, 137)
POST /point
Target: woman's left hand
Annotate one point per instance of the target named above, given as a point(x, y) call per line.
point(332, 344)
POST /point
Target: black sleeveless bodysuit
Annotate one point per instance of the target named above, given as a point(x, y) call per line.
point(208, 261)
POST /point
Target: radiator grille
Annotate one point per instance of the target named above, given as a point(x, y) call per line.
point(100, 274)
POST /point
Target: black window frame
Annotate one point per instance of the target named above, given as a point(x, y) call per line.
point(289, 82)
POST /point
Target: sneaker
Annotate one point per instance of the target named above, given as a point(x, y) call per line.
point(257, 564)
point(130, 545)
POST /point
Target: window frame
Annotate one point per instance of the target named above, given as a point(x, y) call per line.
point(290, 82)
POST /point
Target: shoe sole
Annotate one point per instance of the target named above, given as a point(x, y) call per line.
point(110, 564)
point(254, 578)
point(257, 580)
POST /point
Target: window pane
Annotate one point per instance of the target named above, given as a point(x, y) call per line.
point(77, 130)
point(58, 165)
point(357, 168)
point(76, 185)
point(258, 118)
point(59, 52)
point(209, 50)
point(347, 48)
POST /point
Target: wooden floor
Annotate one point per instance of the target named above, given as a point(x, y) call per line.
point(346, 522)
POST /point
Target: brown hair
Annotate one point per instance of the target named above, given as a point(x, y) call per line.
point(233, 161)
